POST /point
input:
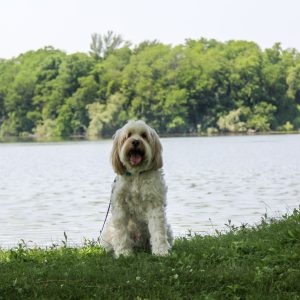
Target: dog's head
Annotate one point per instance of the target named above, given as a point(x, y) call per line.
point(136, 148)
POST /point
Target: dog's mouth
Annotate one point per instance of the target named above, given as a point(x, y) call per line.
point(136, 156)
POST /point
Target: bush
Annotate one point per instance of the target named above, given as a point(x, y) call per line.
point(46, 129)
point(212, 130)
point(9, 126)
point(262, 117)
point(105, 116)
point(259, 123)
point(96, 111)
point(288, 127)
point(232, 121)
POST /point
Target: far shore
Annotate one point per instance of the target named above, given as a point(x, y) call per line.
point(34, 138)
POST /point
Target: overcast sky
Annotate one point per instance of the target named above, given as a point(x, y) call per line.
point(68, 24)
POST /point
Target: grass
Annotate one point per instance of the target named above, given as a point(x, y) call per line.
point(261, 262)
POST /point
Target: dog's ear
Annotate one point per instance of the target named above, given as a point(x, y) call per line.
point(115, 158)
point(157, 161)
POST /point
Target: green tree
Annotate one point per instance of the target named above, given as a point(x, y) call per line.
point(105, 118)
point(199, 85)
point(262, 117)
point(103, 45)
point(235, 120)
point(151, 87)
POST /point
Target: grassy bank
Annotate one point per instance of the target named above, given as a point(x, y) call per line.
point(261, 262)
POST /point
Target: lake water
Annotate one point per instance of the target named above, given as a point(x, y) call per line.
point(47, 189)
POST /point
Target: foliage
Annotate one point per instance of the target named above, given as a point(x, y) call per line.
point(261, 262)
point(262, 117)
point(288, 127)
point(102, 45)
point(105, 115)
point(45, 129)
point(232, 122)
point(199, 85)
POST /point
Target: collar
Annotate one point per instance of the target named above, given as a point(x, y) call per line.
point(127, 173)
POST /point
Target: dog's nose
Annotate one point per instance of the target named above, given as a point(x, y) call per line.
point(135, 143)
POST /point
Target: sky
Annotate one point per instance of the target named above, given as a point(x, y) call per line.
point(68, 24)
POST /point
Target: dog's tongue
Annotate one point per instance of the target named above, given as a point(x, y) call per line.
point(135, 159)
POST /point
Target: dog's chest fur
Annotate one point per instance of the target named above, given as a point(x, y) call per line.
point(139, 193)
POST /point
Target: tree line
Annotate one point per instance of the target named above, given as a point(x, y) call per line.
point(200, 86)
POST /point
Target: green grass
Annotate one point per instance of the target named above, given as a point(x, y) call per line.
point(261, 262)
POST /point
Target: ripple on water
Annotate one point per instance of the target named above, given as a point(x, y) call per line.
point(51, 188)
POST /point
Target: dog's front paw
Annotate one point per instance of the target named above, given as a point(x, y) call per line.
point(123, 252)
point(161, 250)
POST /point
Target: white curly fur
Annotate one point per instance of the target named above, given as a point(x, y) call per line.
point(138, 217)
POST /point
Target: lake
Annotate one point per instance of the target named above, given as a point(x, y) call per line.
point(47, 189)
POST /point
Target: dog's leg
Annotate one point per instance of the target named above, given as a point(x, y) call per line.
point(121, 241)
point(158, 231)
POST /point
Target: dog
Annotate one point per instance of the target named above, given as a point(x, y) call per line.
point(138, 199)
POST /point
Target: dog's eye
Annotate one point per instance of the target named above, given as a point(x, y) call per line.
point(144, 135)
point(129, 135)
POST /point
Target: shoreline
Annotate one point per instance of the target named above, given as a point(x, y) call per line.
point(35, 139)
point(246, 262)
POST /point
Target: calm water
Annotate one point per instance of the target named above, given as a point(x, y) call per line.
point(49, 188)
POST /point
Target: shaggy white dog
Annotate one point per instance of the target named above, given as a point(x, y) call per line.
point(138, 197)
